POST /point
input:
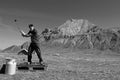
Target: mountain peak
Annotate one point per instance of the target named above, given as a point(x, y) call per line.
point(75, 26)
point(11, 49)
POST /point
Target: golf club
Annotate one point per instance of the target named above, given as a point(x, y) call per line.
point(18, 28)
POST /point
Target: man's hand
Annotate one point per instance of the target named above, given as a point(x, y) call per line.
point(22, 33)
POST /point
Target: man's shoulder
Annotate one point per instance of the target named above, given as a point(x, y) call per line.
point(35, 30)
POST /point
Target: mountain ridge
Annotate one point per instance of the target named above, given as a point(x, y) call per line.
point(77, 34)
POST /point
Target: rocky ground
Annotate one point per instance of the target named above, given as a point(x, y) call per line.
point(63, 65)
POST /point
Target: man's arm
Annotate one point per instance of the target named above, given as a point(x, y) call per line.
point(25, 35)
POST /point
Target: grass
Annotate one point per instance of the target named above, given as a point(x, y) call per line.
point(81, 65)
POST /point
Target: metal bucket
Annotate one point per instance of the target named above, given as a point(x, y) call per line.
point(10, 66)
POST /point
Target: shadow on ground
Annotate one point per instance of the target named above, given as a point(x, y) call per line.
point(2, 70)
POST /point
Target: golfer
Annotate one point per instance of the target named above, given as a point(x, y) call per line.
point(34, 45)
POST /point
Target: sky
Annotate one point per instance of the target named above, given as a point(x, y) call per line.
point(52, 13)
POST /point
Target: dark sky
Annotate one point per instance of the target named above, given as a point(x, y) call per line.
point(52, 13)
point(97, 11)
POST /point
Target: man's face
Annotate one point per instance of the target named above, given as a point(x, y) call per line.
point(31, 28)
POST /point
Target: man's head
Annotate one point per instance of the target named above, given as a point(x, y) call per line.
point(31, 26)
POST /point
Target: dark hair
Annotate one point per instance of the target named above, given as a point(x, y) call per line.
point(30, 25)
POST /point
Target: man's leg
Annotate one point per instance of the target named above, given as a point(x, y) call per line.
point(30, 50)
point(38, 51)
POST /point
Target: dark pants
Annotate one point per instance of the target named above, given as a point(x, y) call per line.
point(34, 47)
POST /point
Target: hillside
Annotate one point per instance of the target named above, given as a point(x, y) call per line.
point(12, 49)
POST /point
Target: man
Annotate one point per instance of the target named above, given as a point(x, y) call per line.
point(34, 45)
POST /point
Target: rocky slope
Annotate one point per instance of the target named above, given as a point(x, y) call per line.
point(75, 27)
point(81, 34)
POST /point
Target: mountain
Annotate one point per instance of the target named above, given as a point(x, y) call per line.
point(82, 34)
point(12, 49)
point(71, 32)
point(57, 37)
point(75, 27)
point(76, 34)
point(22, 49)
